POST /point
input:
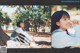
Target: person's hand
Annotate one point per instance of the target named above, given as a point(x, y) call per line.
point(75, 22)
point(33, 40)
point(70, 24)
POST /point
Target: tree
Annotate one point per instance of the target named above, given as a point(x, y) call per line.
point(36, 13)
point(3, 36)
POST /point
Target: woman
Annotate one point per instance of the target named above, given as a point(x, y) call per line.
point(61, 25)
point(19, 34)
point(20, 30)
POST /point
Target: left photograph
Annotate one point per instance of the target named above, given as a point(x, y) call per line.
point(25, 26)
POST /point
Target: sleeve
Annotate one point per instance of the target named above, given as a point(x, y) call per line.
point(61, 40)
point(71, 32)
point(77, 30)
point(19, 30)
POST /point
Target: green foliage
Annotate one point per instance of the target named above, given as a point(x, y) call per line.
point(36, 14)
point(4, 19)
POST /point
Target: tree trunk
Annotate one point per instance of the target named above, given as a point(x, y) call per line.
point(3, 37)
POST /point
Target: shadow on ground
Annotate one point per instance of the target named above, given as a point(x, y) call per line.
point(43, 43)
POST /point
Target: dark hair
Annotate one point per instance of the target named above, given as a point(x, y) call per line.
point(56, 17)
point(18, 23)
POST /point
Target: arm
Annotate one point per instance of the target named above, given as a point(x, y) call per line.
point(61, 40)
point(19, 30)
point(77, 31)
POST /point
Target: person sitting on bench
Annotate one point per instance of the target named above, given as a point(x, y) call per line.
point(19, 32)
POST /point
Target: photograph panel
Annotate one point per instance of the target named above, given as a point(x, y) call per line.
point(65, 26)
point(25, 26)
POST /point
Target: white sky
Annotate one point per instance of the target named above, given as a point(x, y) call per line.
point(9, 10)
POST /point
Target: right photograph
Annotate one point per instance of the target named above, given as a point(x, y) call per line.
point(65, 26)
